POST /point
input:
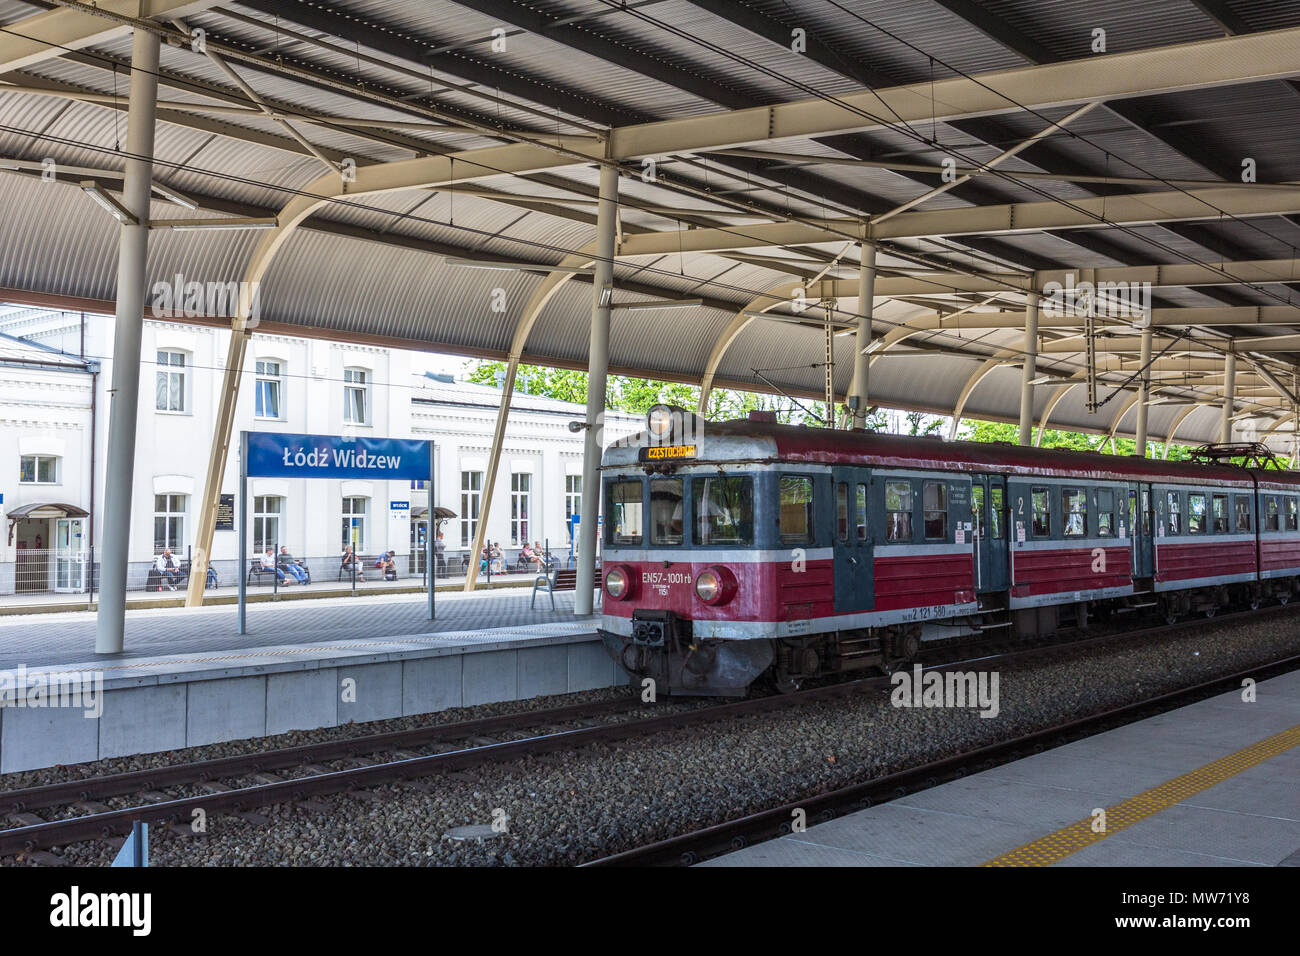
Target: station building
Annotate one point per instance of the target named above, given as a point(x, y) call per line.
point(54, 379)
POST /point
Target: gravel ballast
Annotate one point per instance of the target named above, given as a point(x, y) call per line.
point(570, 807)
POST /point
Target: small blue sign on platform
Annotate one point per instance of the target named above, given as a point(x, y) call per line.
point(280, 455)
point(135, 851)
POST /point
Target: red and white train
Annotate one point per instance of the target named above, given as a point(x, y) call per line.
point(741, 549)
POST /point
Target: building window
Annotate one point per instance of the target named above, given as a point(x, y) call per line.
point(471, 494)
point(1175, 512)
point(169, 522)
point(1243, 513)
point(1220, 514)
point(1195, 514)
point(38, 470)
point(898, 510)
point(520, 506)
point(354, 524)
point(267, 510)
point(170, 395)
point(572, 499)
point(935, 495)
point(796, 510)
point(417, 484)
point(356, 396)
point(268, 390)
point(1041, 501)
point(1075, 509)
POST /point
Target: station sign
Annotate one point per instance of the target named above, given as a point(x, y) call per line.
point(666, 452)
point(281, 455)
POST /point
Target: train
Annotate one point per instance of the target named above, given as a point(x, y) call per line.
point(745, 550)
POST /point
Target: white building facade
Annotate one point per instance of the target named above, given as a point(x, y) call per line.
point(54, 425)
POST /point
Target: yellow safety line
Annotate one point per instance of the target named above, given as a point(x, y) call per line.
point(1069, 840)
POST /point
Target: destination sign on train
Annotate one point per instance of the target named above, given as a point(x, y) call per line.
point(666, 452)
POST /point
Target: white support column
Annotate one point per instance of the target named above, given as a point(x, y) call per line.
point(133, 248)
point(1030, 371)
point(494, 463)
point(1144, 393)
point(1229, 392)
point(861, 360)
point(597, 370)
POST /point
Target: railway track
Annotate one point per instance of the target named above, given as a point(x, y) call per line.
point(223, 792)
point(690, 848)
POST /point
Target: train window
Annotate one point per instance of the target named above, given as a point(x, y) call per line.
point(1272, 516)
point(977, 509)
point(1243, 512)
point(624, 507)
point(1042, 502)
point(1195, 513)
point(1175, 513)
point(1291, 515)
point(995, 512)
point(723, 509)
point(1075, 509)
point(842, 511)
point(862, 512)
point(1106, 513)
point(796, 510)
point(935, 498)
point(1220, 514)
point(666, 511)
point(1146, 513)
point(898, 510)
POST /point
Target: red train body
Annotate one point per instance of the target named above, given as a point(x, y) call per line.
point(740, 549)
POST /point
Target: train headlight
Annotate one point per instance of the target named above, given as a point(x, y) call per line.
point(659, 422)
point(715, 586)
point(618, 583)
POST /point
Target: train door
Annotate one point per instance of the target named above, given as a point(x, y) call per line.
point(852, 539)
point(989, 518)
point(1140, 522)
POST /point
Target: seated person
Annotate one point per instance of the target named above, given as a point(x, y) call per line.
point(268, 564)
point(498, 559)
point(290, 564)
point(387, 566)
point(351, 563)
point(166, 568)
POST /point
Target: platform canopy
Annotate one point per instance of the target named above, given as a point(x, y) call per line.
point(412, 173)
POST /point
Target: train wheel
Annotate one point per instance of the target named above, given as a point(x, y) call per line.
point(1283, 598)
point(785, 684)
point(1212, 609)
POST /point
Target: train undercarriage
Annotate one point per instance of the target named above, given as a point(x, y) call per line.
point(663, 649)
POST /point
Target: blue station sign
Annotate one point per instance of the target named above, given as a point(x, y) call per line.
point(279, 455)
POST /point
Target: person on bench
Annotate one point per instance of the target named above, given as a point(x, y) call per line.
point(268, 564)
point(168, 573)
point(352, 563)
point(387, 566)
point(290, 564)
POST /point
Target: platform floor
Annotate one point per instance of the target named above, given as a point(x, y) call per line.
point(69, 637)
point(1216, 783)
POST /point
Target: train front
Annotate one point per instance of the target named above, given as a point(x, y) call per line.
point(686, 563)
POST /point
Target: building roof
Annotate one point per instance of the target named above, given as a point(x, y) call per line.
point(766, 164)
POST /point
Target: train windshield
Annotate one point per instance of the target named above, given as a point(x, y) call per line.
point(724, 510)
point(666, 511)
